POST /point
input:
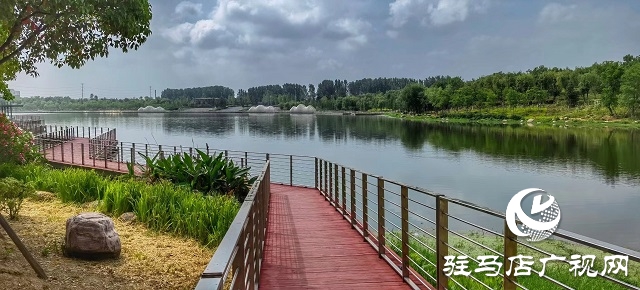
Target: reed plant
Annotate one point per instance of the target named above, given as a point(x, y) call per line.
point(162, 205)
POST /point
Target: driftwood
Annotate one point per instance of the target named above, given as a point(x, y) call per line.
point(23, 249)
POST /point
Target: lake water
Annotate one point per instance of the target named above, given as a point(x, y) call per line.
point(593, 173)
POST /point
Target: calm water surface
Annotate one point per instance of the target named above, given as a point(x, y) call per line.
point(593, 173)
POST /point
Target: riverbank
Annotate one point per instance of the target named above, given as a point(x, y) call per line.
point(587, 117)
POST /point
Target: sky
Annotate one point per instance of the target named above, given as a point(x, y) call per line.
point(245, 43)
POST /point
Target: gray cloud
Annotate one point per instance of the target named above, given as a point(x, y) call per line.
point(187, 8)
point(433, 12)
point(255, 42)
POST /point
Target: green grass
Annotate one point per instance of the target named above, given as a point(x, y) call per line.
point(161, 206)
point(586, 116)
point(422, 257)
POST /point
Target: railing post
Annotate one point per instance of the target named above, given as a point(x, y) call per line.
point(250, 258)
point(330, 178)
point(62, 149)
point(133, 153)
point(226, 153)
point(162, 152)
point(510, 250)
point(119, 159)
point(240, 267)
point(53, 152)
point(326, 178)
point(82, 152)
point(72, 153)
point(315, 176)
point(442, 236)
point(291, 170)
point(191, 151)
point(246, 159)
point(352, 174)
point(104, 150)
point(365, 207)
point(336, 191)
point(404, 202)
point(146, 150)
point(381, 230)
point(344, 193)
point(267, 157)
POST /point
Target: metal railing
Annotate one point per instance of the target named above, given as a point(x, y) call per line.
point(237, 261)
point(411, 228)
point(104, 146)
point(415, 230)
point(34, 124)
point(74, 150)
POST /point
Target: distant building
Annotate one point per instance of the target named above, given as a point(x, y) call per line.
point(7, 107)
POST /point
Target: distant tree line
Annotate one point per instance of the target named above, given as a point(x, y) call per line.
point(614, 85)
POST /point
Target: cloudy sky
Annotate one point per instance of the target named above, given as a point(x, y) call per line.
point(244, 43)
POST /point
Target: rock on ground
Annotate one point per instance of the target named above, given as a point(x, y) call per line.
point(91, 236)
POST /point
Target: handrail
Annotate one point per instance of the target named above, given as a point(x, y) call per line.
point(363, 199)
point(239, 255)
point(104, 146)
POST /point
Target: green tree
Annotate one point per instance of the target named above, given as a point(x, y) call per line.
point(611, 74)
point(630, 88)
point(413, 98)
point(67, 32)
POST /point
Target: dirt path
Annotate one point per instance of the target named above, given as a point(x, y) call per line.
point(148, 260)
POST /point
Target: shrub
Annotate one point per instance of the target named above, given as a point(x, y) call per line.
point(202, 172)
point(16, 146)
point(12, 194)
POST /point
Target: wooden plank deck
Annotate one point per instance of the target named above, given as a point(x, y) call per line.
point(70, 153)
point(310, 246)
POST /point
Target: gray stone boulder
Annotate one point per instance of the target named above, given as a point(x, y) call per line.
point(91, 236)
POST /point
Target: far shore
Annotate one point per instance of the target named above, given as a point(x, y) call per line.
point(204, 112)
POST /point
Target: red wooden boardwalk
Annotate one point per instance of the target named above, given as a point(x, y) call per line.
point(310, 246)
point(71, 153)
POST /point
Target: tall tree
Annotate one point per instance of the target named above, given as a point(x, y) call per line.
point(414, 99)
point(611, 74)
point(67, 32)
point(630, 88)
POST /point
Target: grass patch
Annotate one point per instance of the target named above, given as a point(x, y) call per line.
point(422, 258)
point(586, 116)
point(161, 206)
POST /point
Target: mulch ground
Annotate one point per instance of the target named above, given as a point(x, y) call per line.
point(149, 260)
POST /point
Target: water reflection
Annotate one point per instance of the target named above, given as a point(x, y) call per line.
point(613, 154)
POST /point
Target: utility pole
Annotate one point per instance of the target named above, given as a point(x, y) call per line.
point(82, 92)
point(155, 94)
